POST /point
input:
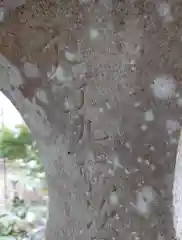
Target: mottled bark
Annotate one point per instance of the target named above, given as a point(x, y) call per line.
point(99, 85)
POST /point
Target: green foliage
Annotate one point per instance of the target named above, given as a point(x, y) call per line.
point(13, 145)
point(19, 144)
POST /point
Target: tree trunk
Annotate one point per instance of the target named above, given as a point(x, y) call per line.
point(99, 85)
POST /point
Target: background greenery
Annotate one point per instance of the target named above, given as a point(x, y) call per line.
point(18, 144)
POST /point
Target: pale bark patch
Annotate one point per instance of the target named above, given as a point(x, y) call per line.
point(60, 74)
point(164, 87)
point(31, 70)
point(149, 115)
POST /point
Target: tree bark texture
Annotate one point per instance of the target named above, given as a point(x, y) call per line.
point(99, 85)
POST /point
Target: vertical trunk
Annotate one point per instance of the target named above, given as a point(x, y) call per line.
point(99, 86)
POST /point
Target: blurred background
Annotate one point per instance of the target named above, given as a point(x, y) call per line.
point(23, 189)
